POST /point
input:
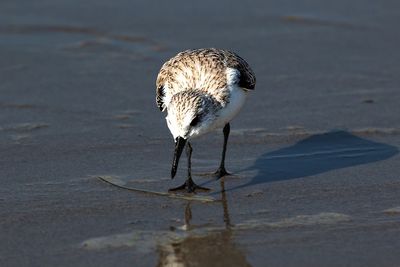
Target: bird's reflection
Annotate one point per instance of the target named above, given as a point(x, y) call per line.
point(209, 248)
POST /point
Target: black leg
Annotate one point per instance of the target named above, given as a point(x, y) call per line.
point(221, 172)
point(189, 186)
point(189, 151)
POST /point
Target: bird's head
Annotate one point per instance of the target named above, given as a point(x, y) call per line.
point(190, 114)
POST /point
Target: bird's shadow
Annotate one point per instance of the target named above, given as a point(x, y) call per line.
point(317, 154)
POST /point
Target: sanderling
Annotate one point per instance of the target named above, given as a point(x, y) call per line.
point(201, 90)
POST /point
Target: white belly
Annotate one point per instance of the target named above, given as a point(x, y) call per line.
point(236, 101)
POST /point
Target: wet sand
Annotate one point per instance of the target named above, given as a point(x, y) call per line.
point(314, 152)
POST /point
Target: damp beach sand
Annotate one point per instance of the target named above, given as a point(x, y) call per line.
point(314, 152)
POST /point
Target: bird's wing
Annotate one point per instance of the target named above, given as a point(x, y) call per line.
point(201, 68)
point(175, 75)
point(247, 79)
point(160, 86)
point(166, 84)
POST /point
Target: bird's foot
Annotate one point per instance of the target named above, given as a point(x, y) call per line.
point(189, 186)
point(221, 172)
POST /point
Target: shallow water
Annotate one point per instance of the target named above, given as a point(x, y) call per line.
point(314, 152)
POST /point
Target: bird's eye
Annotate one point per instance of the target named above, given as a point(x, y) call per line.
point(195, 121)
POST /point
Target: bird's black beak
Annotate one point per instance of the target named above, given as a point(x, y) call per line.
point(179, 145)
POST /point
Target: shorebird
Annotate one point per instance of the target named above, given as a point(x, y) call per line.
point(201, 90)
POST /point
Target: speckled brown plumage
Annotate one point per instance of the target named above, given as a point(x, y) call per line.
point(203, 70)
